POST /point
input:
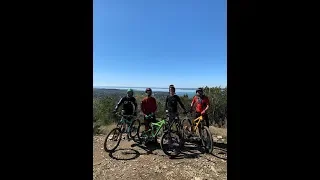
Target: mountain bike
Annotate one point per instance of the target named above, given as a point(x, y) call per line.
point(175, 136)
point(196, 130)
point(113, 139)
point(151, 134)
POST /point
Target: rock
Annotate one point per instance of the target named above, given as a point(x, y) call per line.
point(219, 137)
point(164, 167)
point(214, 170)
point(197, 178)
point(169, 173)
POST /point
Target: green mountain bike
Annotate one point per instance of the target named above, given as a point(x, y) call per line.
point(113, 139)
point(150, 135)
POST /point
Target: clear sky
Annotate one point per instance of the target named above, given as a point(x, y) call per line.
point(155, 43)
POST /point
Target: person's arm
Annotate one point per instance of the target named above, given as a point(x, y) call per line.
point(192, 103)
point(155, 105)
point(118, 104)
point(166, 105)
point(135, 105)
point(207, 107)
point(143, 107)
point(181, 104)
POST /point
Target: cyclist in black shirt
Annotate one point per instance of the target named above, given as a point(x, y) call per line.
point(172, 101)
point(129, 104)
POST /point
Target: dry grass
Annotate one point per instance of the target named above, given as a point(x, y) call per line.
point(106, 129)
point(218, 131)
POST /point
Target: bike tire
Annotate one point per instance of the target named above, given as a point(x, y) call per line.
point(186, 132)
point(210, 148)
point(119, 134)
point(159, 135)
point(163, 147)
point(131, 129)
point(181, 132)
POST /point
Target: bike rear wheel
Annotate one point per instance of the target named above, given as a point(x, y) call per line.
point(112, 140)
point(174, 146)
point(134, 130)
point(186, 128)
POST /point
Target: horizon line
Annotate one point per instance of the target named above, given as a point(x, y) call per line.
point(95, 86)
point(142, 87)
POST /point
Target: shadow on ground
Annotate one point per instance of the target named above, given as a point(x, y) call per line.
point(219, 150)
point(124, 154)
point(148, 147)
point(189, 151)
point(220, 145)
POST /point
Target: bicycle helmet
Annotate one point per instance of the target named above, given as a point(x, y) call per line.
point(130, 92)
point(148, 89)
point(172, 86)
point(199, 90)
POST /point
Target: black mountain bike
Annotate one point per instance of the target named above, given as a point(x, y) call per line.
point(173, 135)
point(125, 125)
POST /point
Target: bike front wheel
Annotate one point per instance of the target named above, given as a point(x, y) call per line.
point(171, 143)
point(112, 140)
point(207, 139)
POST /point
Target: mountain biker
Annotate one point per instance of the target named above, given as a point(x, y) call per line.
point(148, 107)
point(202, 105)
point(129, 104)
point(172, 101)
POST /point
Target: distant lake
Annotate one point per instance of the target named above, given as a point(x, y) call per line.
point(179, 91)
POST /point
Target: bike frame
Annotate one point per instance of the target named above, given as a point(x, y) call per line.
point(124, 120)
point(173, 120)
point(155, 126)
point(195, 123)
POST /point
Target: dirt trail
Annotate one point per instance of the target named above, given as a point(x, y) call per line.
point(135, 162)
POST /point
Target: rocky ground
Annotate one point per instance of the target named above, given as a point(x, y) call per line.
point(135, 162)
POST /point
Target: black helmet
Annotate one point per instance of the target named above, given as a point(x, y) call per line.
point(148, 89)
point(199, 90)
point(172, 86)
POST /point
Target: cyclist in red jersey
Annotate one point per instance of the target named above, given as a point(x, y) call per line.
point(149, 107)
point(202, 105)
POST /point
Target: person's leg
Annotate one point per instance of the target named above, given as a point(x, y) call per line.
point(146, 124)
point(153, 120)
point(206, 118)
point(197, 114)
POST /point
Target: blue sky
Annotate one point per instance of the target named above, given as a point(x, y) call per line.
point(141, 43)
